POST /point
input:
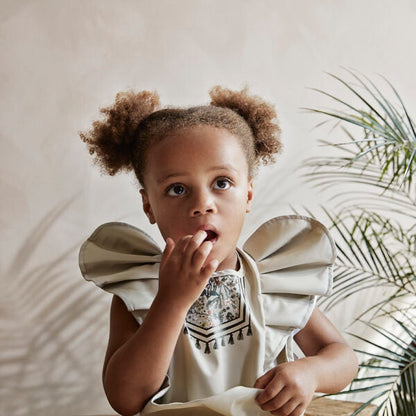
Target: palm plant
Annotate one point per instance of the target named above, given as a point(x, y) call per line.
point(374, 227)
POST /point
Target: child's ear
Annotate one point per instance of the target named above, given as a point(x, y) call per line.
point(249, 195)
point(146, 206)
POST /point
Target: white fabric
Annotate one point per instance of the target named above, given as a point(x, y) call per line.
point(286, 263)
point(238, 401)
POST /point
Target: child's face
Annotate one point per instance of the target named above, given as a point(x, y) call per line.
point(197, 178)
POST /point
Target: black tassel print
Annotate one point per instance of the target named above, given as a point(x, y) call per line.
point(221, 340)
point(240, 335)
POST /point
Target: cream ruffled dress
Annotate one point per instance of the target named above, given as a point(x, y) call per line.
point(242, 324)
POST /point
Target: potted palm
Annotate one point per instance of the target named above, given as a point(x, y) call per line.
point(374, 225)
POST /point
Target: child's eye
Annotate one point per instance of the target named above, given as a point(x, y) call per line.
point(176, 190)
point(222, 184)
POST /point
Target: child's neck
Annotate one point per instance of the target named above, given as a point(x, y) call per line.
point(230, 264)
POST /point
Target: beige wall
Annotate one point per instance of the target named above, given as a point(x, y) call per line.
point(61, 61)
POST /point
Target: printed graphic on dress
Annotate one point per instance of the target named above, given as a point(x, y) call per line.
point(220, 313)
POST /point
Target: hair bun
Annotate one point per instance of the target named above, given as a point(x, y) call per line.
point(110, 139)
point(259, 115)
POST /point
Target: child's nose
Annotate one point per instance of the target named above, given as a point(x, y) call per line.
point(203, 203)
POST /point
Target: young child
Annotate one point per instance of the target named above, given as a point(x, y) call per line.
point(206, 328)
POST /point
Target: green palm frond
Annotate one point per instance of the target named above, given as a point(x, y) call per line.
point(329, 172)
point(372, 187)
point(388, 373)
point(387, 142)
point(373, 251)
point(376, 166)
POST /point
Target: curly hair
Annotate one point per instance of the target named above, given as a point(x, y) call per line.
point(134, 123)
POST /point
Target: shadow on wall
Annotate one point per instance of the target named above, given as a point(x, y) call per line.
point(53, 331)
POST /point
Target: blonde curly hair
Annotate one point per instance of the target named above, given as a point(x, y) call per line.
point(135, 122)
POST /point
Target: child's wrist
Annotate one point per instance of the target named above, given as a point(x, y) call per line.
point(314, 365)
point(171, 305)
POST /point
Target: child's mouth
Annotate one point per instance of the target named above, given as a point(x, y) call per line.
point(211, 236)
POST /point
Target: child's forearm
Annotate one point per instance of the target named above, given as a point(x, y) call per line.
point(327, 354)
point(334, 366)
point(137, 369)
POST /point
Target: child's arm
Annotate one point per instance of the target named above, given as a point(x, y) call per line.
point(138, 358)
point(329, 366)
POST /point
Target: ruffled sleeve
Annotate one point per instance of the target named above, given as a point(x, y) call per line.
point(122, 260)
point(294, 255)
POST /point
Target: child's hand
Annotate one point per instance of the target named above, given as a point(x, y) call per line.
point(183, 269)
point(288, 388)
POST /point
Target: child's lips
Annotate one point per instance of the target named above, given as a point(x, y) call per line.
point(212, 234)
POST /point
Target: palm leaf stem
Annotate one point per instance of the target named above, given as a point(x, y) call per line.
point(363, 99)
point(381, 357)
point(372, 203)
point(341, 296)
point(341, 233)
point(378, 307)
point(392, 113)
point(389, 260)
point(346, 286)
point(412, 158)
point(345, 162)
point(357, 122)
point(358, 166)
point(348, 283)
point(380, 406)
point(364, 115)
point(389, 109)
point(404, 109)
point(378, 367)
point(348, 175)
point(362, 389)
point(407, 348)
point(406, 329)
point(337, 178)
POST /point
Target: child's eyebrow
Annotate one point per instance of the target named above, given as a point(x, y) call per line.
point(214, 168)
point(170, 175)
point(226, 167)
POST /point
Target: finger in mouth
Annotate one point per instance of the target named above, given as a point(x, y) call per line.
point(211, 235)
